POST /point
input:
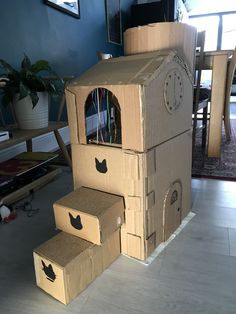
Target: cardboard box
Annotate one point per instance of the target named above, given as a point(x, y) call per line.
point(156, 186)
point(159, 36)
point(150, 113)
point(65, 265)
point(89, 214)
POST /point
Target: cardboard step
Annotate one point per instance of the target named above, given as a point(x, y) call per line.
point(89, 214)
point(65, 265)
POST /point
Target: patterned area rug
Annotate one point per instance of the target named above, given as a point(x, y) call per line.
point(215, 168)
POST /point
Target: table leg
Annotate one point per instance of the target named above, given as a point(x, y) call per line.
point(29, 145)
point(63, 148)
point(219, 70)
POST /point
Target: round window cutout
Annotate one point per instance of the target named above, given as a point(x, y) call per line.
point(103, 118)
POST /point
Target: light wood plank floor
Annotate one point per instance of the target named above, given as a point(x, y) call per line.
point(196, 273)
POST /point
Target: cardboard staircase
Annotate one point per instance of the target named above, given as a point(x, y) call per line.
point(66, 264)
point(130, 131)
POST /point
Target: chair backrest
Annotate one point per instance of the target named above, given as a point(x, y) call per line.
point(230, 77)
point(229, 82)
point(200, 48)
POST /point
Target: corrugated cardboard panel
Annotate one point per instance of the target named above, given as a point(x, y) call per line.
point(134, 222)
point(90, 214)
point(123, 70)
point(150, 162)
point(50, 277)
point(67, 281)
point(131, 166)
point(135, 246)
point(132, 128)
point(150, 200)
point(81, 225)
point(161, 125)
point(98, 167)
point(111, 249)
point(57, 253)
point(146, 120)
point(132, 245)
point(72, 117)
point(79, 274)
point(63, 248)
point(150, 37)
point(101, 168)
point(123, 238)
point(151, 244)
point(134, 203)
point(151, 221)
point(129, 99)
point(173, 163)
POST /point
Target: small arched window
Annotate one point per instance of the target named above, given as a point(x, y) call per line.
point(103, 118)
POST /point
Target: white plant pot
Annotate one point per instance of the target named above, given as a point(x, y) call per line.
point(29, 117)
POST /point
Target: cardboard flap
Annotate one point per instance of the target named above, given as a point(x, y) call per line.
point(150, 162)
point(72, 117)
point(90, 202)
point(63, 248)
point(134, 203)
point(134, 246)
point(150, 200)
point(131, 166)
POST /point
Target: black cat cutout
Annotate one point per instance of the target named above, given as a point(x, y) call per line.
point(48, 270)
point(174, 197)
point(76, 222)
point(101, 166)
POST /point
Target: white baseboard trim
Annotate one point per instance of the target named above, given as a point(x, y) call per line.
point(45, 143)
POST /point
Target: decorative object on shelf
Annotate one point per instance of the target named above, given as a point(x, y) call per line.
point(113, 18)
point(28, 91)
point(70, 7)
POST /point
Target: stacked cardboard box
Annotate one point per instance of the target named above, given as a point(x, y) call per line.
point(89, 242)
point(152, 167)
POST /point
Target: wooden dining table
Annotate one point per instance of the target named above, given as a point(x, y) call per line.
point(216, 61)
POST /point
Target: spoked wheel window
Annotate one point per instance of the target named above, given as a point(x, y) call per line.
point(103, 118)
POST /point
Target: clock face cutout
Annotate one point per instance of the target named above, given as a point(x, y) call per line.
point(173, 90)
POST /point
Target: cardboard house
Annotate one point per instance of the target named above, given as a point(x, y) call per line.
point(130, 124)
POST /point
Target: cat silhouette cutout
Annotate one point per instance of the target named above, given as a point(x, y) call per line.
point(76, 222)
point(101, 166)
point(174, 197)
point(48, 270)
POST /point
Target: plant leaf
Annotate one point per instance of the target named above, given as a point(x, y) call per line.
point(24, 90)
point(7, 67)
point(41, 65)
point(26, 63)
point(34, 97)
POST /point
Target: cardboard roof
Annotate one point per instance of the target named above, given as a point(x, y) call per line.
point(135, 69)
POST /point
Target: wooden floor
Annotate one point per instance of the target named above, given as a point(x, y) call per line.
point(196, 273)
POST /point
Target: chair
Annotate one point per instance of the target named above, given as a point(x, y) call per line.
point(230, 77)
point(201, 96)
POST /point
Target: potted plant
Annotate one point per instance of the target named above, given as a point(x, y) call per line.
point(27, 89)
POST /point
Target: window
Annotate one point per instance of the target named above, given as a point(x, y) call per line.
point(103, 118)
point(229, 32)
point(210, 25)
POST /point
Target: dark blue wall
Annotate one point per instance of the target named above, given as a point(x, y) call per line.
point(42, 32)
